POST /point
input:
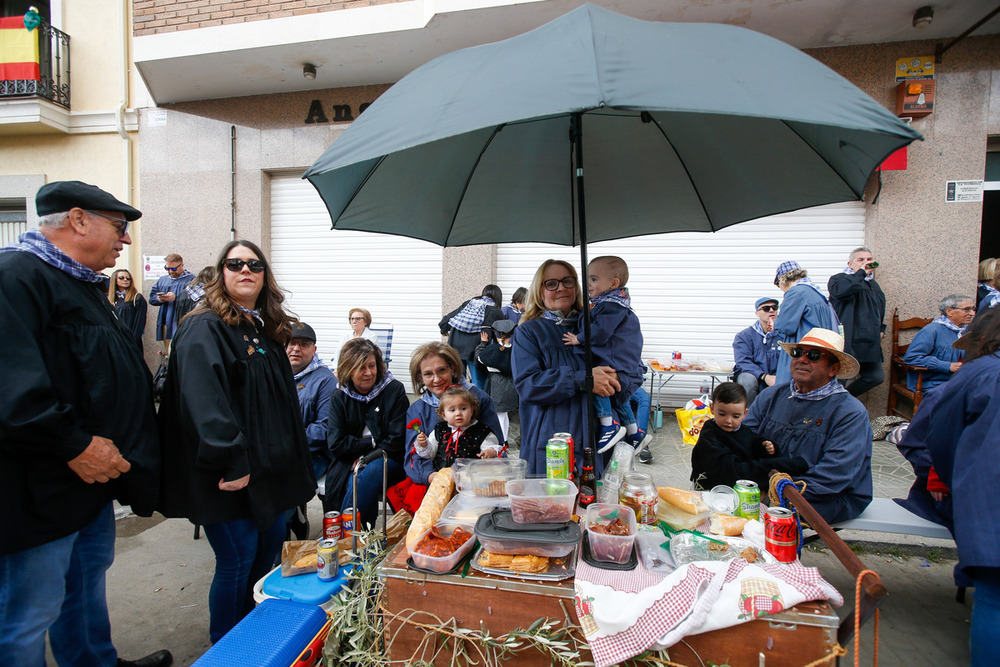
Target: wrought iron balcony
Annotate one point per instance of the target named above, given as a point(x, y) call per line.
point(53, 66)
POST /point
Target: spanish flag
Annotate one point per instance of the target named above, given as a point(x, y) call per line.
point(18, 50)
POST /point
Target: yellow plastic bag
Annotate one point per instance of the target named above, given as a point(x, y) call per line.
point(693, 418)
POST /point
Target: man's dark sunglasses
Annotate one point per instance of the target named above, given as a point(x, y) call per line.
point(236, 265)
point(769, 309)
point(811, 355)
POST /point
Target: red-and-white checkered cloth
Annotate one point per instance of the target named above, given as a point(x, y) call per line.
point(626, 613)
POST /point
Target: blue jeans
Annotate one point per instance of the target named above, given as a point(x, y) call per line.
point(643, 402)
point(59, 587)
point(984, 634)
point(243, 554)
point(478, 378)
point(602, 408)
point(370, 490)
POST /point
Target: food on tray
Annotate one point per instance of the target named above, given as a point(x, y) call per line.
point(495, 489)
point(726, 524)
point(499, 561)
point(532, 564)
point(749, 555)
point(616, 527)
point(718, 546)
point(687, 501)
point(438, 545)
point(437, 497)
point(524, 564)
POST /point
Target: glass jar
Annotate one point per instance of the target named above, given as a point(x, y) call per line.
point(639, 493)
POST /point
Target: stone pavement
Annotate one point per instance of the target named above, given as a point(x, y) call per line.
point(158, 585)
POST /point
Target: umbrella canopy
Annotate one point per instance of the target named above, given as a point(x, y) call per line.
point(687, 127)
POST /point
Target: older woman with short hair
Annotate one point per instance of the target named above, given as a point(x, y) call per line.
point(803, 308)
point(367, 413)
point(359, 319)
point(235, 454)
point(932, 347)
point(433, 368)
point(550, 376)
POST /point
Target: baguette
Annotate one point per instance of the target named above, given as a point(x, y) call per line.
point(437, 496)
point(687, 501)
point(726, 524)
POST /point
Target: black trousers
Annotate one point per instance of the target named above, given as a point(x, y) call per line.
point(871, 376)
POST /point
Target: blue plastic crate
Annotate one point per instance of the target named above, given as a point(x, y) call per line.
point(272, 635)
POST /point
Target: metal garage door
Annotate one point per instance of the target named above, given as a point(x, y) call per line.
point(328, 272)
point(693, 292)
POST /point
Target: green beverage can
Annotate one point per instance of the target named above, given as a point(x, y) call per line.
point(749, 499)
point(557, 459)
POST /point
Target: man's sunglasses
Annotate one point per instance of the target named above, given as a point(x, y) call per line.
point(811, 355)
point(768, 309)
point(569, 282)
point(236, 265)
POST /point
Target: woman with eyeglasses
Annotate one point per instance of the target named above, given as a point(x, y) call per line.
point(367, 413)
point(469, 324)
point(359, 319)
point(236, 459)
point(433, 368)
point(130, 306)
point(549, 375)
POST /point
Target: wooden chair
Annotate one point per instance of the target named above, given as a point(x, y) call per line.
point(898, 367)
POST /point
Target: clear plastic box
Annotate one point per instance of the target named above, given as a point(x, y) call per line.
point(443, 564)
point(542, 500)
point(610, 548)
point(466, 509)
point(499, 534)
point(678, 518)
point(488, 478)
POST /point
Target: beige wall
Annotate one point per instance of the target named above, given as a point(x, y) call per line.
point(928, 248)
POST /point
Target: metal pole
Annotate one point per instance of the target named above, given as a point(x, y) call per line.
point(576, 131)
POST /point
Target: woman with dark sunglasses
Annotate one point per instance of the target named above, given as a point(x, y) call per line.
point(236, 458)
point(130, 306)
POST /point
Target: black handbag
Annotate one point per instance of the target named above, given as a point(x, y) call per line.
point(159, 380)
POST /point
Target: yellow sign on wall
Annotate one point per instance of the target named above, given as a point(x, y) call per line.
point(908, 69)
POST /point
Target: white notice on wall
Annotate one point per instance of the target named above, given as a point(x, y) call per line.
point(156, 117)
point(152, 267)
point(963, 191)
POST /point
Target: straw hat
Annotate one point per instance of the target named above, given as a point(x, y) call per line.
point(832, 342)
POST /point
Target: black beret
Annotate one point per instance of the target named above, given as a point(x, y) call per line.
point(304, 331)
point(61, 196)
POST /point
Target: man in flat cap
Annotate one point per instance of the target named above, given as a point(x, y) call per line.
point(77, 430)
point(756, 350)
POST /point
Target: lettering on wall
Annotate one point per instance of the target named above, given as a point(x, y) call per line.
point(341, 112)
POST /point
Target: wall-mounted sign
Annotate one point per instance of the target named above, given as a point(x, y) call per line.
point(921, 67)
point(152, 267)
point(963, 191)
point(341, 112)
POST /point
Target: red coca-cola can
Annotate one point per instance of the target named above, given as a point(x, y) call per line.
point(781, 534)
point(332, 527)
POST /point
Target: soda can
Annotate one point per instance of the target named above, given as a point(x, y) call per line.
point(347, 521)
point(676, 355)
point(568, 437)
point(557, 459)
point(749, 499)
point(327, 560)
point(781, 534)
point(333, 529)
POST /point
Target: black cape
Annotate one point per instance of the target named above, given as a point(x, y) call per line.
point(133, 315)
point(70, 371)
point(860, 305)
point(723, 457)
point(230, 409)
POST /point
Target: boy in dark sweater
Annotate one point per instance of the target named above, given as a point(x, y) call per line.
point(726, 453)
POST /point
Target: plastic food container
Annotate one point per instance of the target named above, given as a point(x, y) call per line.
point(488, 478)
point(542, 500)
point(610, 548)
point(442, 564)
point(500, 534)
point(654, 555)
point(466, 509)
point(678, 518)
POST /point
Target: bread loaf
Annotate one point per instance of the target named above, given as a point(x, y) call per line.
point(437, 496)
point(726, 524)
point(687, 501)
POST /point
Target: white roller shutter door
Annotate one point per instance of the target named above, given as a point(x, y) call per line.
point(693, 292)
point(328, 272)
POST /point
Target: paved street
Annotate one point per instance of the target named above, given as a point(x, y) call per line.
point(158, 586)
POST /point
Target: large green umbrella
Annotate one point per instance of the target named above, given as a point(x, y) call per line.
point(687, 127)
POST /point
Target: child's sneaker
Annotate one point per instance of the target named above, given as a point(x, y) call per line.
point(609, 436)
point(636, 439)
point(645, 456)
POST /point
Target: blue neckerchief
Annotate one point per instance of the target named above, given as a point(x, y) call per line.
point(806, 281)
point(568, 321)
point(37, 244)
point(433, 401)
point(849, 271)
point(618, 295)
point(470, 318)
point(252, 313)
point(943, 319)
point(195, 290)
point(119, 294)
point(348, 388)
point(829, 389)
point(313, 365)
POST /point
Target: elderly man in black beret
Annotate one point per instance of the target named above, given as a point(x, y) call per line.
point(77, 430)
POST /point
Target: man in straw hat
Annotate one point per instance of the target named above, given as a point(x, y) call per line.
point(814, 417)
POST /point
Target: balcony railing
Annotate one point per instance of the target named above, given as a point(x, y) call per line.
point(53, 67)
